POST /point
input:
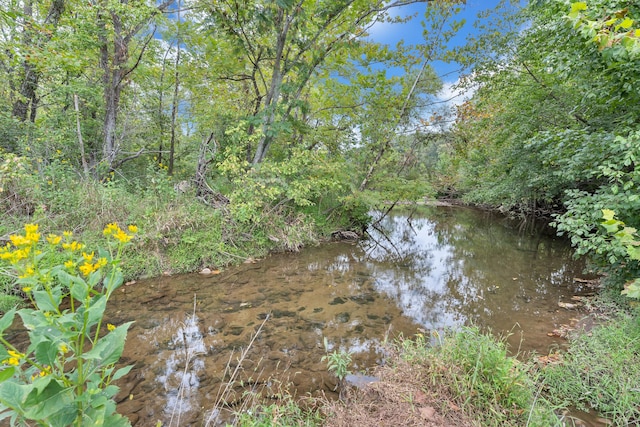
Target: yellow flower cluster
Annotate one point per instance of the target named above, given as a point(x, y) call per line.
point(88, 267)
point(19, 246)
point(13, 359)
point(72, 246)
point(113, 230)
point(46, 370)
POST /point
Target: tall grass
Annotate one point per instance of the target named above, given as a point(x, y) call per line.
point(601, 371)
point(492, 387)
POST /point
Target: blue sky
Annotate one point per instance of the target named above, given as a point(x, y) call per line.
point(411, 33)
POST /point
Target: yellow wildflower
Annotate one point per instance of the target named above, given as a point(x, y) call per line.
point(26, 289)
point(69, 264)
point(46, 370)
point(28, 272)
point(19, 240)
point(73, 246)
point(31, 228)
point(63, 348)
point(67, 234)
point(20, 254)
point(11, 361)
point(122, 236)
point(33, 237)
point(133, 228)
point(86, 268)
point(87, 257)
point(100, 263)
point(111, 327)
point(54, 239)
point(14, 359)
point(111, 228)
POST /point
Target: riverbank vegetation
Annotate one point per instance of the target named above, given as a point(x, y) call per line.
point(230, 134)
point(223, 134)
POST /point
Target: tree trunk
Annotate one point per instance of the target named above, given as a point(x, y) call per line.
point(174, 106)
point(26, 106)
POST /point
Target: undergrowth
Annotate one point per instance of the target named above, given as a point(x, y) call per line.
point(493, 388)
point(601, 371)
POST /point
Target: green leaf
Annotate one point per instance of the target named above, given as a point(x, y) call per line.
point(108, 349)
point(46, 352)
point(626, 24)
point(96, 309)
point(7, 320)
point(632, 289)
point(71, 280)
point(578, 6)
point(12, 394)
point(53, 399)
point(48, 302)
point(608, 214)
point(7, 373)
point(611, 226)
point(115, 282)
point(633, 252)
point(121, 372)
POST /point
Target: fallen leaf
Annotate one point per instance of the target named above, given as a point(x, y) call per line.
point(420, 397)
point(427, 412)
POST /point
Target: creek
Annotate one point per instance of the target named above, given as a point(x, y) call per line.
point(434, 268)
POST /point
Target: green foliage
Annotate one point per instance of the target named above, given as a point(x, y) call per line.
point(284, 414)
point(628, 238)
point(600, 371)
point(337, 362)
point(488, 384)
point(64, 376)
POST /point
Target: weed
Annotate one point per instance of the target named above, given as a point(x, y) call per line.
point(337, 362)
point(498, 390)
point(601, 371)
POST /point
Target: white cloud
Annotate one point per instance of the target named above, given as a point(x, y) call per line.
point(453, 94)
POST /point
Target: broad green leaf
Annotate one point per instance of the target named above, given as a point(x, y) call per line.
point(611, 226)
point(48, 301)
point(12, 394)
point(108, 349)
point(46, 352)
point(608, 214)
point(625, 24)
point(96, 309)
point(6, 320)
point(52, 399)
point(79, 290)
point(632, 289)
point(578, 6)
point(121, 372)
point(7, 373)
point(633, 252)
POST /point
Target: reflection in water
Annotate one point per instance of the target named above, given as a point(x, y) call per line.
point(443, 267)
point(459, 266)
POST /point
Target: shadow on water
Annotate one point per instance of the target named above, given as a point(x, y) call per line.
point(442, 267)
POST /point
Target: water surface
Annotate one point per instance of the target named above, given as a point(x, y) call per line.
point(434, 268)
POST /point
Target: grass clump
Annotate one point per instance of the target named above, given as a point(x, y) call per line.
point(601, 371)
point(286, 413)
point(494, 388)
point(461, 378)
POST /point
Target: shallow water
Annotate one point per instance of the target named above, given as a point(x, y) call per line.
point(435, 268)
